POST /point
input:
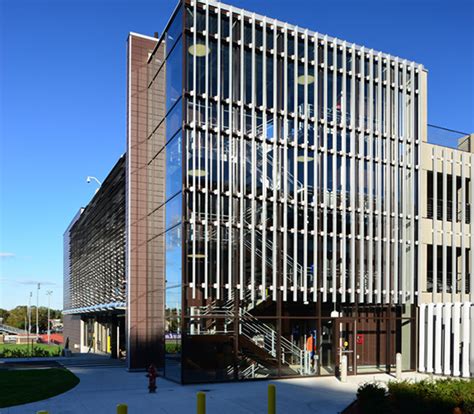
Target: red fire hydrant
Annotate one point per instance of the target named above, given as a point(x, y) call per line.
point(152, 375)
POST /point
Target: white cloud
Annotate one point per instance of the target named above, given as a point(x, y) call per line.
point(6, 255)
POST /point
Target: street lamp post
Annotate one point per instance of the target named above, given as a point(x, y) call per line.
point(37, 314)
point(48, 294)
point(90, 178)
point(29, 313)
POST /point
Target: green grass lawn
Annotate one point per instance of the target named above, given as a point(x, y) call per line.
point(172, 346)
point(24, 350)
point(25, 386)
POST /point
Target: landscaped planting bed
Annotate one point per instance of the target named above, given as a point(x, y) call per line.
point(430, 396)
point(29, 350)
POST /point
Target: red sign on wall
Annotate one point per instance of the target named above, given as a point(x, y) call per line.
point(360, 339)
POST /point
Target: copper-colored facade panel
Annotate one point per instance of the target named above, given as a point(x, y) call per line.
point(145, 319)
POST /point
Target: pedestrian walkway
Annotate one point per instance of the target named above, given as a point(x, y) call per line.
point(78, 360)
point(91, 360)
point(102, 388)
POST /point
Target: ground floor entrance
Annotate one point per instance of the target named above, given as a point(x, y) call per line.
point(298, 341)
point(369, 344)
point(103, 334)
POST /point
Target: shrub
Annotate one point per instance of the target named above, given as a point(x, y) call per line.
point(432, 396)
point(372, 398)
point(429, 396)
point(172, 348)
point(25, 351)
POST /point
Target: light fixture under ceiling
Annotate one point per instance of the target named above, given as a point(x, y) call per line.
point(198, 50)
point(197, 173)
point(302, 158)
point(305, 79)
point(196, 256)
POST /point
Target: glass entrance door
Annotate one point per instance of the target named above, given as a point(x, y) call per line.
point(327, 356)
point(344, 343)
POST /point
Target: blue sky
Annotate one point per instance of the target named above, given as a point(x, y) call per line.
point(62, 105)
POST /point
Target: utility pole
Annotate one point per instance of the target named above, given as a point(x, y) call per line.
point(37, 305)
point(29, 313)
point(48, 294)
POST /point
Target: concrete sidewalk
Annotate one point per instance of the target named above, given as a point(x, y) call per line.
point(102, 388)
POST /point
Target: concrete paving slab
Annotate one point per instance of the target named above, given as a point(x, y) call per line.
point(102, 388)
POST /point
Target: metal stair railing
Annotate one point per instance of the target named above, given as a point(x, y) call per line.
point(268, 260)
point(251, 371)
point(256, 327)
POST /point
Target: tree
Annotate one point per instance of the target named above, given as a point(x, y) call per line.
point(18, 316)
point(4, 314)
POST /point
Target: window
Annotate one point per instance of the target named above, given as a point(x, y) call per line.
point(174, 76)
point(173, 167)
point(174, 31)
point(173, 211)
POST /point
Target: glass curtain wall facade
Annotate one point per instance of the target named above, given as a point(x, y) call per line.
point(291, 198)
point(165, 86)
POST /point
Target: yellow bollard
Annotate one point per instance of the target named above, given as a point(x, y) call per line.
point(201, 403)
point(42, 412)
point(271, 399)
point(122, 408)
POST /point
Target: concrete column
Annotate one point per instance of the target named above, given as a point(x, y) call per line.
point(447, 339)
point(429, 339)
point(471, 353)
point(96, 336)
point(466, 327)
point(438, 339)
point(344, 368)
point(456, 338)
point(81, 343)
point(113, 337)
point(421, 338)
point(399, 365)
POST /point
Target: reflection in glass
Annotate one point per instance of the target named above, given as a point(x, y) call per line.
point(326, 351)
point(174, 31)
point(173, 167)
point(173, 304)
point(173, 212)
point(173, 121)
point(208, 349)
point(173, 260)
point(174, 76)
